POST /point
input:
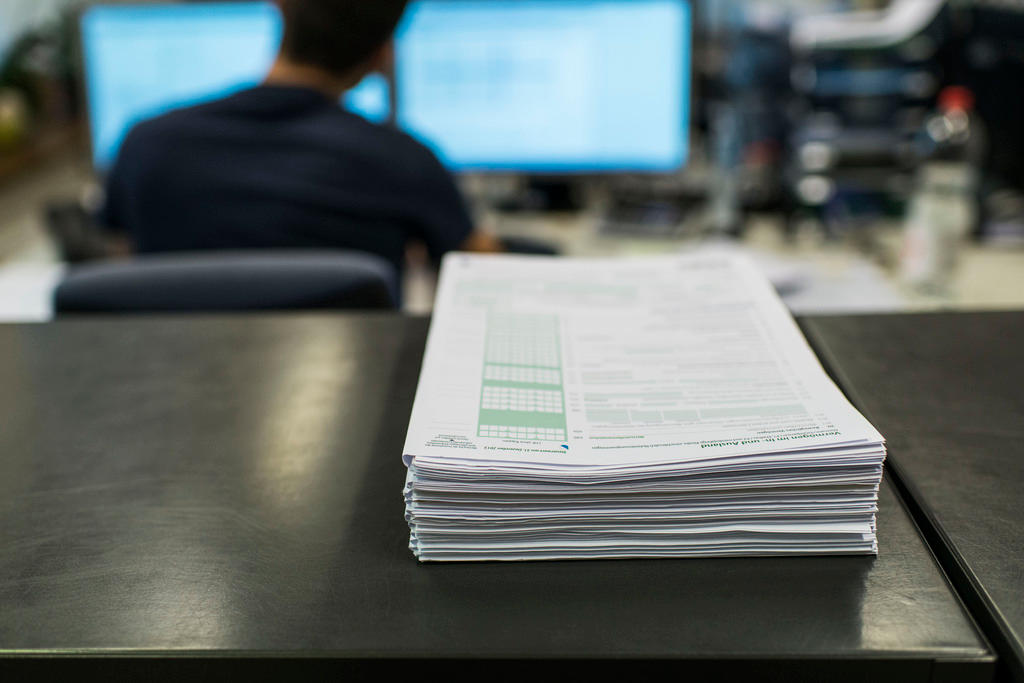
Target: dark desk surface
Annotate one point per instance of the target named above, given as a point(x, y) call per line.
point(222, 489)
point(948, 393)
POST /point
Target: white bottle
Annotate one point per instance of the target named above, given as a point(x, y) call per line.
point(943, 210)
point(941, 216)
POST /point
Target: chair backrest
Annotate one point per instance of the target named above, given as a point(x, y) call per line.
point(230, 281)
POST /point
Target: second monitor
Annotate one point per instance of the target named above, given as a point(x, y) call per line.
point(547, 86)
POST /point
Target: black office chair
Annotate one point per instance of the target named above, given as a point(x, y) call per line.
point(229, 282)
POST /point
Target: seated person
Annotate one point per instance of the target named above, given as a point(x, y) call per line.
point(282, 165)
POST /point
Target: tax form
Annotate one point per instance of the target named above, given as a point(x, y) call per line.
point(611, 364)
point(660, 407)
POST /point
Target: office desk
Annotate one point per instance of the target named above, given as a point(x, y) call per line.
point(948, 393)
point(208, 497)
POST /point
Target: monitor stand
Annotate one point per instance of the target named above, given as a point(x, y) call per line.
point(666, 212)
point(545, 196)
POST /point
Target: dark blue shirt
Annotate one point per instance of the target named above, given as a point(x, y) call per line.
point(280, 167)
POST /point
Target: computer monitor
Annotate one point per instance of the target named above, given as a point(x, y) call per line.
point(547, 86)
point(144, 60)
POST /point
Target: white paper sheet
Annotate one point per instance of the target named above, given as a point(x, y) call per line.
point(618, 362)
point(662, 407)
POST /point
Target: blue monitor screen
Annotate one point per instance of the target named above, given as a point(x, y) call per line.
point(143, 60)
point(371, 99)
point(557, 86)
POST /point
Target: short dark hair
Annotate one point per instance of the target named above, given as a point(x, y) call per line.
point(337, 35)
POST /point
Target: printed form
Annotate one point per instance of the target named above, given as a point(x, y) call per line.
point(659, 407)
point(618, 363)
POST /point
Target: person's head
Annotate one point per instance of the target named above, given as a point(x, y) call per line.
point(343, 38)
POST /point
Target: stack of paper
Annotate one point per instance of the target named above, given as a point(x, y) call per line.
point(664, 407)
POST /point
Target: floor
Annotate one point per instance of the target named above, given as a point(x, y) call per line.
point(858, 274)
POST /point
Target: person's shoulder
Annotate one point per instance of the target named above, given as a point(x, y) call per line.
point(144, 138)
point(156, 134)
point(399, 148)
point(189, 113)
point(161, 128)
point(380, 133)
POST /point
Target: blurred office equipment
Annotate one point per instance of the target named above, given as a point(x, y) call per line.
point(864, 82)
point(901, 21)
point(990, 60)
point(75, 230)
point(551, 92)
point(230, 281)
point(744, 73)
point(547, 87)
point(143, 60)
